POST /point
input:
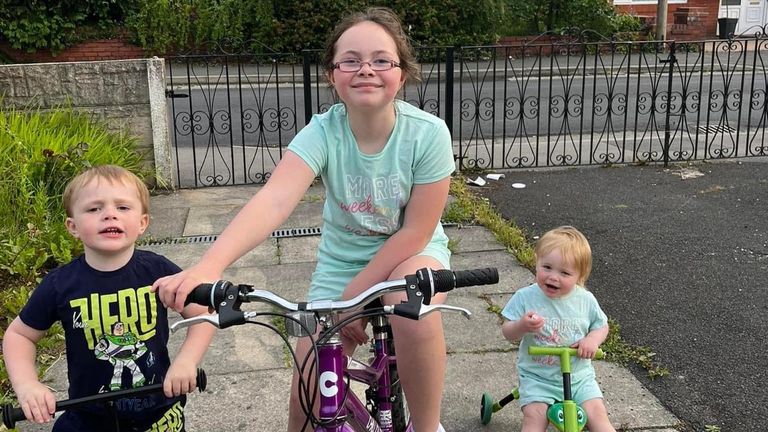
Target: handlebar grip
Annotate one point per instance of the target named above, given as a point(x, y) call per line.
point(11, 415)
point(484, 276)
point(210, 295)
point(201, 295)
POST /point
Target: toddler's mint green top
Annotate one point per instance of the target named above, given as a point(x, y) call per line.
point(366, 194)
point(566, 320)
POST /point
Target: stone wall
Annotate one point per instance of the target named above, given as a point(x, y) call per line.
point(129, 95)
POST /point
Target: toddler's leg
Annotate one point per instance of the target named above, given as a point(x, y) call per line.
point(597, 416)
point(535, 417)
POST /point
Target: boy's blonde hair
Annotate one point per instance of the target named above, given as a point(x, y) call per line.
point(572, 245)
point(110, 173)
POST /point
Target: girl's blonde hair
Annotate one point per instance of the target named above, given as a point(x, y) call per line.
point(111, 173)
point(572, 245)
point(391, 23)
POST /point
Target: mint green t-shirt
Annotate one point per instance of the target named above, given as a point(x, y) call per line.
point(366, 194)
point(566, 320)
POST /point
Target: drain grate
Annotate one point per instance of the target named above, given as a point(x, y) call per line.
point(282, 233)
point(716, 129)
point(296, 232)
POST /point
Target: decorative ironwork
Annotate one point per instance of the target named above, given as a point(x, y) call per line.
point(554, 100)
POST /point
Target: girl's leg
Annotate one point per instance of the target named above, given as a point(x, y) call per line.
point(597, 416)
point(296, 417)
point(535, 417)
point(420, 350)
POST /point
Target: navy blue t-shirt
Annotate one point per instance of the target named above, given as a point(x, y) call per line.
point(116, 329)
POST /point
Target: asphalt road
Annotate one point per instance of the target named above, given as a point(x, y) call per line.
point(680, 263)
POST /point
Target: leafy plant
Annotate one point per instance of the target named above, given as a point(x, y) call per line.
point(165, 25)
point(53, 25)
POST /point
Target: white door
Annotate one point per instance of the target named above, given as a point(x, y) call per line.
point(750, 13)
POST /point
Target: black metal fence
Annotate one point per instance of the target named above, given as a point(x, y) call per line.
point(541, 103)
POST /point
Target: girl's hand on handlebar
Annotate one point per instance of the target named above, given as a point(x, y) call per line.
point(174, 289)
point(180, 379)
point(37, 401)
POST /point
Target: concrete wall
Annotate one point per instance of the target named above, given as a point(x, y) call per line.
point(129, 95)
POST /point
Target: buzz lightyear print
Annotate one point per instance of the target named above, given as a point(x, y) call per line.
point(122, 350)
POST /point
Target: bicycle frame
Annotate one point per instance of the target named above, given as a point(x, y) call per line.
point(340, 408)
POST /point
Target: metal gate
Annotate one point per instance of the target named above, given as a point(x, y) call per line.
point(540, 103)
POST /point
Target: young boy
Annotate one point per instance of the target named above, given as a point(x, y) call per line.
point(116, 330)
point(558, 311)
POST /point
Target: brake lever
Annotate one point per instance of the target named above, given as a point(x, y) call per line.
point(239, 317)
point(212, 319)
point(428, 309)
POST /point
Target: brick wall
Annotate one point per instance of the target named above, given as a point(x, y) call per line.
point(693, 20)
point(104, 49)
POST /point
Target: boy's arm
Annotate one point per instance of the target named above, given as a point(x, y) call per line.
point(19, 351)
point(181, 376)
point(588, 345)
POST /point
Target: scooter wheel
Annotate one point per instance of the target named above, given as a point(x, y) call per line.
point(486, 408)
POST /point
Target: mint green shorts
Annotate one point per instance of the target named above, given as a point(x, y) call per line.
point(332, 276)
point(535, 390)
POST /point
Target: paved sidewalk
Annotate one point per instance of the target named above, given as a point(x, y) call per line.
point(248, 378)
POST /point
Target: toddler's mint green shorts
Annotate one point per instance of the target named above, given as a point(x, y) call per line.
point(536, 390)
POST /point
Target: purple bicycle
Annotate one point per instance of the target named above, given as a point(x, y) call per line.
point(340, 410)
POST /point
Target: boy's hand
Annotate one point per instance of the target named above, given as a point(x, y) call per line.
point(180, 379)
point(532, 322)
point(37, 401)
point(587, 347)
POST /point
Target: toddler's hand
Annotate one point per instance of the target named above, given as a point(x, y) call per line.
point(533, 322)
point(586, 347)
point(37, 401)
point(181, 378)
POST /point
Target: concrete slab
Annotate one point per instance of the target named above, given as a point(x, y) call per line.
point(511, 275)
point(470, 238)
point(187, 254)
point(480, 333)
point(249, 402)
point(298, 249)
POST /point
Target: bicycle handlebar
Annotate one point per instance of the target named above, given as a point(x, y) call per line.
point(560, 351)
point(12, 414)
point(420, 287)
